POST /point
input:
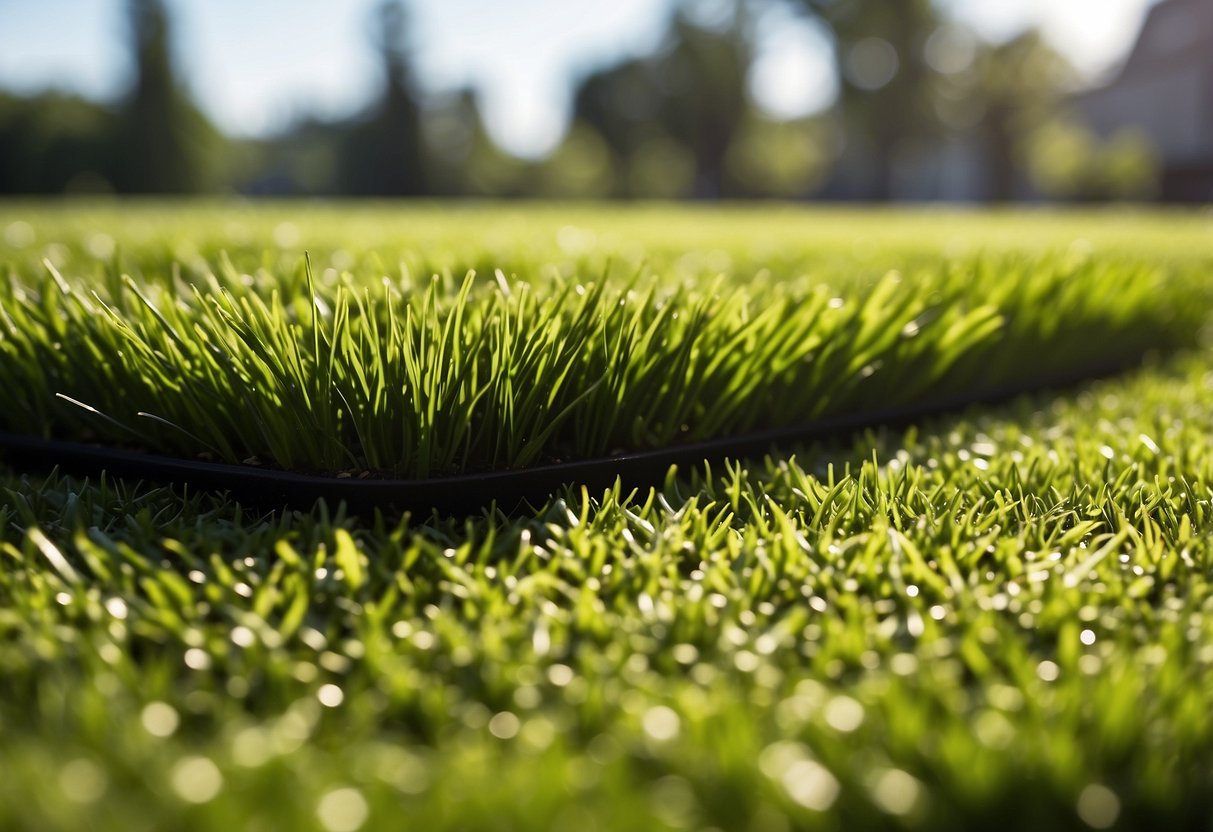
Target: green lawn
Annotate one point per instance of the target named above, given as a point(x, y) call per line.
point(1002, 618)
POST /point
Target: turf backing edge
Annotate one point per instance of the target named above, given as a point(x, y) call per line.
point(273, 489)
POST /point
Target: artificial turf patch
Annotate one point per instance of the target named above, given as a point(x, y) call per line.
point(414, 376)
point(994, 619)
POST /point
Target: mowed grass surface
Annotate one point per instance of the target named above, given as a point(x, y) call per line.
point(996, 619)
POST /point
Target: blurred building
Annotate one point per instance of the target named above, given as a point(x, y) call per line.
point(1165, 90)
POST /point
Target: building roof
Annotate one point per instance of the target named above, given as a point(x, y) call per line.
point(1164, 90)
point(1175, 32)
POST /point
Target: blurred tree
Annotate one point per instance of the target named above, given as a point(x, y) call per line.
point(623, 103)
point(886, 85)
point(581, 167)
point(703, 78)
point(783, 159)
point(1129, 166)
point(163, 143)
point(54, 143)
point(1067, 161)
point(1058, 155)
point(382, 155)
point(461, 158)
point(660, 168)
point(1017, 87)
point(305, 159)
point(687, 100)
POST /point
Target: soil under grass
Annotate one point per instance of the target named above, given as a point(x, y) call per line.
point(999, 618)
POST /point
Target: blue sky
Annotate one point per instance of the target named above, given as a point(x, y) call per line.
point(254, 65)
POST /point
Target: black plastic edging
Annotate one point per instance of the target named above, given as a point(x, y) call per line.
point(467, 493)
